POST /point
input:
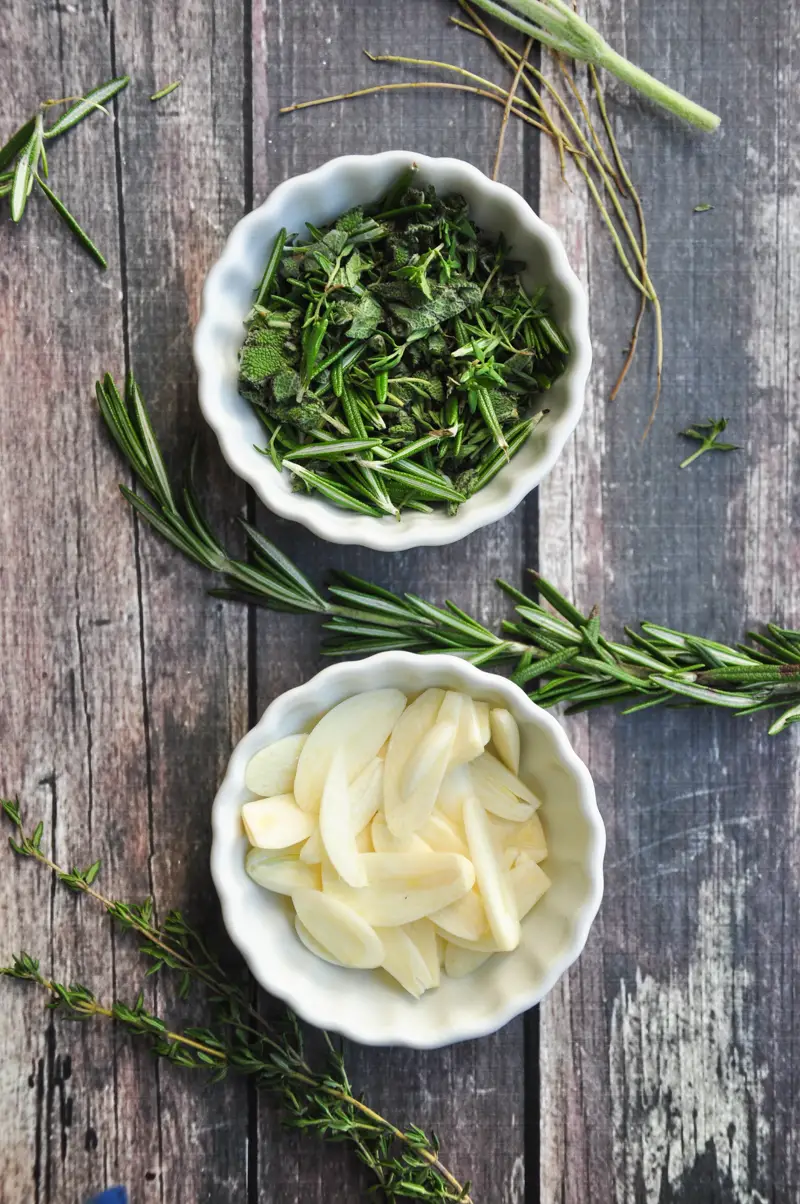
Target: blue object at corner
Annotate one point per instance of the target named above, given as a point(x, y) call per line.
point(113, 1195)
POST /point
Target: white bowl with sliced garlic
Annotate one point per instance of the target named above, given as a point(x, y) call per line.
point(407, 850)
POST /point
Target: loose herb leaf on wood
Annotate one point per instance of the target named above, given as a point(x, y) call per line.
point(404, 1161)
point(555, 651)
point(406, 330)
point(707, 434)
point(25, 149)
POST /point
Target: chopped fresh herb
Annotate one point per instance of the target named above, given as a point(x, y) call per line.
point(707, 433)
point(166, 91)
point(401, 337)
point(702, 208)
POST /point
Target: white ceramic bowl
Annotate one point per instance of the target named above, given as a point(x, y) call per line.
point(365, 1005)
point(319, 197)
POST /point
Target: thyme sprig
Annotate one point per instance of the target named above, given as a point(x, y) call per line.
point(707, 435)
point(23, 158)
point(554, 651)
point(404, 1161)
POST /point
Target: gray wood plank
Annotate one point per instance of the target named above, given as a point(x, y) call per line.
point(472, 1095)
point(70, 633)
point(669, 1055)
point(182, 179)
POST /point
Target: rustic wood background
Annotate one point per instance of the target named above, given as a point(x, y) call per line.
point(664, 1068)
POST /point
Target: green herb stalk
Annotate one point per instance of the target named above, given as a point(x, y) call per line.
point(555, 651)
point(404, 1161)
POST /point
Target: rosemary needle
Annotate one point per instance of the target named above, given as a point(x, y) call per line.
point(167, 90)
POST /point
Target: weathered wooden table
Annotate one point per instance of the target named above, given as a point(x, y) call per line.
point(664, 1067)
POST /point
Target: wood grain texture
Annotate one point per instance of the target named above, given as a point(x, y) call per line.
point(669, 1056)
point(472, 1095)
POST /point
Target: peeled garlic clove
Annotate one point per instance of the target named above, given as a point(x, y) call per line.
point(284, 875)
point(424, 936)
point(501, 803)
point(450, 710)
point(366, 794)
point(384, 842)
point(528, 883)
point(492, 880)
point(404, 887)
point(505, 736)
point(465, 919)
point(482, 711)
point(312, 850)
point(421, 781)
point(358, 726)
point(313, 945)
point(364, 841)
point(530, 838)
point(276, 823)
point(458, 962)
point(442, 836)
point(271, 771)
point(415, 722)
point(456, 786)
point(336, 824)
point(339, 929)
point(403, 960)
point(468, 743)
point(491, 770)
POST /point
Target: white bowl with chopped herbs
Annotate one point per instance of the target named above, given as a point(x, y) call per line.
point(392, 350)
point(407, 850)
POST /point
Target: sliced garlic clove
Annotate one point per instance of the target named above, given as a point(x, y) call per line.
point(465, 918)
point(339, 929)
point(505, 737)
point(468, 743)
point(312, 945)
point(482, 711)
point(276, 823)
point(283, 875)
point(441, 835)
point(422, 780)
point(271, 771)
point(458, 962)
point(456, 786)
point(415, 722)
point(528, 883)
point(424, 936)
point(489, 769)
point(492, 879)
point(366, 794)
point(312, 850)
point(384, 842)
point(359, 726)
point(403, 960)
point(336, 824)
point(404, 887)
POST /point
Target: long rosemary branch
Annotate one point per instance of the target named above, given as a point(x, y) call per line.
point(239, 1038)
point(559, 647)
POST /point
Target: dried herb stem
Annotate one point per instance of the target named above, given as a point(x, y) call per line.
point(508, 106)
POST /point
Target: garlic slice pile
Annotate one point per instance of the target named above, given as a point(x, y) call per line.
point(401, 832)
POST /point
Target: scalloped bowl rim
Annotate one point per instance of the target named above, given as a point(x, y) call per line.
point(321, 1005)
point(228, 413)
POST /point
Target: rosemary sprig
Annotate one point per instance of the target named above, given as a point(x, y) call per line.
point(404, 1161)
point(560, 648)
point(707, 434)
point(25, 149)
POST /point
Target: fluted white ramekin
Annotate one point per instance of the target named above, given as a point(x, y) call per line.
point(319, 197)
point(365, 1005)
